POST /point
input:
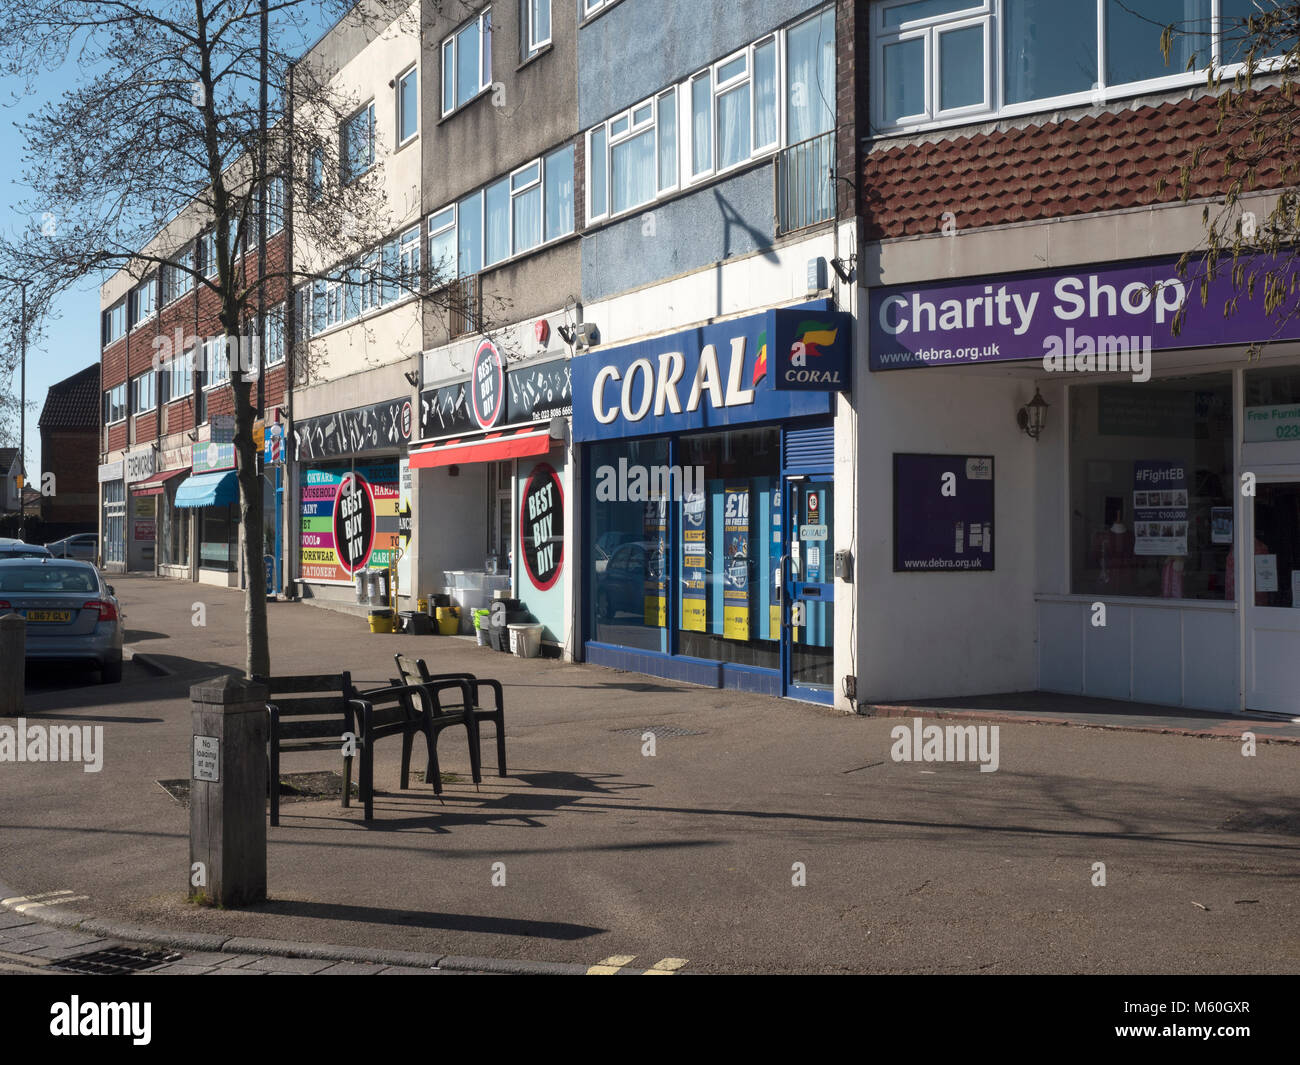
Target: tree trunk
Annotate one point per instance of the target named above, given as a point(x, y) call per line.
point(251, 520)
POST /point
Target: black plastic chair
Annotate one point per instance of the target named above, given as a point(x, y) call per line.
point(417, 672)
point(438, 718)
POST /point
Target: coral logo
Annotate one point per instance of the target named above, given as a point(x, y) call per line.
point(810, 337)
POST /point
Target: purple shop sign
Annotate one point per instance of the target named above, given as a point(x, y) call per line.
point(1026, 316)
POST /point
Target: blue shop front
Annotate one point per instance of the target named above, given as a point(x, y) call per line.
point(708, 501)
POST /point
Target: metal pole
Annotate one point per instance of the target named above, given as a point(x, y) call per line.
point(22, 417)
point(261, 222)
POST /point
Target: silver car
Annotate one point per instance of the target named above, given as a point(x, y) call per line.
point(79, 545)
point(72, 615)
point(18, 549)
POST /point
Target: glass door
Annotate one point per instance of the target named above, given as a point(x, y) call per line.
point(1271, 596)
point(808, 586)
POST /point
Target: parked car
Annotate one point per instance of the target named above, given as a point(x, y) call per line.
point(80, 545)
point(621, 585)
point(72, 615)
point(18, 549)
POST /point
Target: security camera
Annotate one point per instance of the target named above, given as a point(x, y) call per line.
point(586, 334)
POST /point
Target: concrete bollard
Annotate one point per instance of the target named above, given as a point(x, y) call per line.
point(228, 792)
point(13, 661)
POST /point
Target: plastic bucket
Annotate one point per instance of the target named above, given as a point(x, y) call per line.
point(484, 636)
point(448, 620)
point(381, 621)
point(480, 619)
point(526, 640)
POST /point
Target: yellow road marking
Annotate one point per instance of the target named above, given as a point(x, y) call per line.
point(609, 966)
point(666, 967)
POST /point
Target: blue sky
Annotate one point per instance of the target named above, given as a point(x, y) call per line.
point(72, 342)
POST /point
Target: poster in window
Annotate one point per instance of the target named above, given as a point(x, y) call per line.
point(774, 599)
point(695, 562)
point(943, 513)
point(735, 563)
point(656, 587)
point(349, 520)
point(1159, 507)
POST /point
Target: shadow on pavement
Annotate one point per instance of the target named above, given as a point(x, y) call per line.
point(456, 922)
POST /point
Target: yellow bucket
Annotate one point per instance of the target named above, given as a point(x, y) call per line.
point(422, 606)
point(448, 620)
point(381, 622)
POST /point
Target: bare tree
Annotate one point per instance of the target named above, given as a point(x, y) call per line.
point(167, 123)
point(1253, 150)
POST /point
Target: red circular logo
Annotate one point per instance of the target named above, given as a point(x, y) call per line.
point(487, 385)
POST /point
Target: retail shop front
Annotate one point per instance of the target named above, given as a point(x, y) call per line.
point(112, 517)
point(142, 530)
point(172, 522)
point(211, 494)
point(709, 536)
point(351, 495)
point(1164, 556)
point(493, 484)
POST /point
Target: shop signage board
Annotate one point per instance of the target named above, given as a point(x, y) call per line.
point(1278, 421)
point(735, 563)
point(349, 520)
point(708, 377)
point(1046, 312)
point(533, 392)
point(487, 385)
point(141, 464)
point(111, 471)
point(213, 456)
point(405, 523)
point(1160, 507)
point(810, 352)
point(541, 527)
point(377, 427)
point(943, 513)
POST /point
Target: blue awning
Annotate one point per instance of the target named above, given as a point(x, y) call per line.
point(209, 490)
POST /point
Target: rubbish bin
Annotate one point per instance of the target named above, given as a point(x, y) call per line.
point(363, 590)
point(525, 640)
point(448, 620)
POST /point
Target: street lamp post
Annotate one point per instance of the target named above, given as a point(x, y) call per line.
point(22, 283)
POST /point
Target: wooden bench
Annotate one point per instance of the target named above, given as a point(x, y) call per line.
point(322, 711)
point(414, 671)
point(309, 713)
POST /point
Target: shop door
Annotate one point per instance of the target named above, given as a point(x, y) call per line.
point(1271, 593)
point(808, 615)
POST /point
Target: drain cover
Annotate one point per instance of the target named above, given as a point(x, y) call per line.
point(661, 730)
point(116, 961)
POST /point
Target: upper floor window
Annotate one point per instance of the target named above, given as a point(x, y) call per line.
point(180, 374)
point(357, 143)
point(144, 394)
point(115, 404)
point(113, 325)
point(467, 62)
point(274, 205)
point(938, 61)
point(590, 7)
point(513, 215)
point(144, 301)
point(273, 335)
point(408, 105)
point(534, 26)
point(208, 253)
point(778, 90)
point(316, 175)
point(178, 278)
point(216, 362)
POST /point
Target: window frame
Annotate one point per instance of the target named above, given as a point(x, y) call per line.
point(178, 277)
point(115, 399)
point(346, 174)
point(180, 367)
point(399, 108)
point(530, 45)
point(148, 287)
point(590, 7)
point(137, 406)
point(992, 15)
point(218, 358)
point(118, 312)
point(452, 40)
point(273, 326)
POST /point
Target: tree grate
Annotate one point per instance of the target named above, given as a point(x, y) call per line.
point(661, 730)
point(116, 961)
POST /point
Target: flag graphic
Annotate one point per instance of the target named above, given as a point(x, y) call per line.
point(760, 360)
point(812, 333)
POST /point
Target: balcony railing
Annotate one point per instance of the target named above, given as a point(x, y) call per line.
point(805, 191)
point(464, 304)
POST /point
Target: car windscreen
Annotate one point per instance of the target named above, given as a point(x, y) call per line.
point(40, 580)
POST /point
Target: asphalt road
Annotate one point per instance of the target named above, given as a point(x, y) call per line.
point(689, 854)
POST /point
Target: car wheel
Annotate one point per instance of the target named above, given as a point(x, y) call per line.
point(111, 672)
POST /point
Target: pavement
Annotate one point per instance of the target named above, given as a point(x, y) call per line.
point(758, 835)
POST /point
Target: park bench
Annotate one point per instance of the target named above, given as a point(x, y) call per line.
point(316, 713)
point(439, 717)
point(414, 671)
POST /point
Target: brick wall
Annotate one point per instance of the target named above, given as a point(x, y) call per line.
point(72, 456)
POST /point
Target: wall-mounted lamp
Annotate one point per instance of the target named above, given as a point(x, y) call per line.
point(412, 377)
point(844, 268)
point(1032, 416)
point(566, 333)
point(193, 436)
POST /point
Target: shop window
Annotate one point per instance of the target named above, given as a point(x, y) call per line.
point(174, 537)
point(1151, 488)
point(726, 606)
point(114, 521)
point(218, 540)
point(630, 560)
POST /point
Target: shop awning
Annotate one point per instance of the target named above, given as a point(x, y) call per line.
point(155, 486)
point(209, 490)
point(490, 447)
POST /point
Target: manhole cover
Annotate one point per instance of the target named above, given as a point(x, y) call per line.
point(116, 961)
point(661, 730)
point(294, 787)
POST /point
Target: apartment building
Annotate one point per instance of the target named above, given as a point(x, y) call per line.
point(168, 496)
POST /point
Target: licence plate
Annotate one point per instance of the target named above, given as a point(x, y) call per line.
point(49, 615)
